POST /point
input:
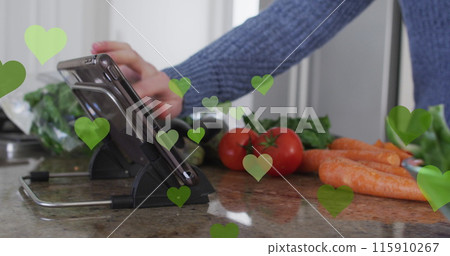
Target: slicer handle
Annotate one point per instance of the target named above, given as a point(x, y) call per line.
point(39, 176)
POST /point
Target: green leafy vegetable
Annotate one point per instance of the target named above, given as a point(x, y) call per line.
point(311, 138)
point(55, 108)
point(434, 145)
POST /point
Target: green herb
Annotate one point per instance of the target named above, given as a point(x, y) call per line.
point(55, 108)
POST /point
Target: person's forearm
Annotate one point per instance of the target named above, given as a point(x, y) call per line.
point(428, 24)
point(258, 46)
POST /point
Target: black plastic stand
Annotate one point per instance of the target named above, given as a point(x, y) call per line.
point(151, 181)
point(108, 163)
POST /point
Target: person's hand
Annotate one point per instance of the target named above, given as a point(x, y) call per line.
point(145, 78)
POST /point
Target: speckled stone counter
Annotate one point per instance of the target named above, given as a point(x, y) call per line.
point(270, 208)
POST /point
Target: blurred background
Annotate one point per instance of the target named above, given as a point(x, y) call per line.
point(355, 78)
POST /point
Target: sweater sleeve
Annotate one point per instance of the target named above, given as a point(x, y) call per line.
point(257, 47)
point(428, 25)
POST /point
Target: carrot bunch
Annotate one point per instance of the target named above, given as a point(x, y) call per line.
point(367, 169)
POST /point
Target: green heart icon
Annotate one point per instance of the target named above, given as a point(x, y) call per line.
point(224, 107)
point(262, 84)
point(180, 87)
point(435, 185)
point(12, 75)
point(179, 196)
point(230, 230)
point(236, 112)
point(91, 132)
point(335, 201)
point(196, 135)
point(210, 103)
point(257, 167)
point(408, 126)
point(168, 139)
point(45, 44)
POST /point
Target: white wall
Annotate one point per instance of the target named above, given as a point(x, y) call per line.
point(84, 22)
point(353, 75)
point(175, 28)
point(406, 84)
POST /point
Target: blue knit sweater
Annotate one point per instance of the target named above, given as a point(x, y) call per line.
point(226, 67)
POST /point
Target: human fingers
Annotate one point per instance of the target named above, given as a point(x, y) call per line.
point(108, 46)
point(130, 74)
point(157, 85)
point(134, 61)
point(176, 106)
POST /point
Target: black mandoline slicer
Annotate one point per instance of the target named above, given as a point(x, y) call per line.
point(103, 91)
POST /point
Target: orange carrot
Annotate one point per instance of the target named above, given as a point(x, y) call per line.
point(365, 180)
point(402, 153)
point(379, 144)
point(395, 170)
point(349, 143)
point(314, 157)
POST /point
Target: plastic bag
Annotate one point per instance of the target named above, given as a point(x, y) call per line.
point(48, 111)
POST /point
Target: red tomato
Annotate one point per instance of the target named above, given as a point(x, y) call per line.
point(285, 148)
point(234, 146)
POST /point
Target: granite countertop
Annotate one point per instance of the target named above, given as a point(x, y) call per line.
point(270, 208)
